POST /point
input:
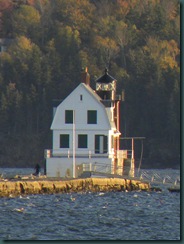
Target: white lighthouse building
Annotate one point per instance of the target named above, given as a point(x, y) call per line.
point(85, 130)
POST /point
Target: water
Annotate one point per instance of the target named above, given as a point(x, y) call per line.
point(91, 216)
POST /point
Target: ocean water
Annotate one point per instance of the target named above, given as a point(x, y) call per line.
point(135, 215)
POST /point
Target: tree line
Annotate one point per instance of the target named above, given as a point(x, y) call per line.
point(137, 40)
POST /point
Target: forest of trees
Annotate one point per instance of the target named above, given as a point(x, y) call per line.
point(137, 40)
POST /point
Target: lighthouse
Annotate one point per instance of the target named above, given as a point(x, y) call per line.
point(86, 132)
point(106, 89)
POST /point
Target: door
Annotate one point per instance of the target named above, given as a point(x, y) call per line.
point(100, 144)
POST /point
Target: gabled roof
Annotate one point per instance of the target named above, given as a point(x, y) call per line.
point(99, 99)
point(89, 90)
point(92, 92)
point(67, 100)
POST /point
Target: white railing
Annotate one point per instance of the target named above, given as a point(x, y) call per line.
point(50, 153)
point(154, 177)
point(107, 169)
point(97, 167)
point(158, 178)
point(121, 154)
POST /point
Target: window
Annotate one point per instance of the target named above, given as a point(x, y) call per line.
point(69, 116)
point(92, 117)
point(82, 141)
point(64, 141)
point(81, 97)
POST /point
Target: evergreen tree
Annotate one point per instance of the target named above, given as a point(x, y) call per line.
point(139, 41)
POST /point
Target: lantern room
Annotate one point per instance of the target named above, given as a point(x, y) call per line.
point(106, 86)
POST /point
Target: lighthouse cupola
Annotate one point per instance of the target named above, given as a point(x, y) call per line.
point(106, 86)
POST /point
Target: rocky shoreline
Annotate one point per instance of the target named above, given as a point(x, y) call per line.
point(17, 187)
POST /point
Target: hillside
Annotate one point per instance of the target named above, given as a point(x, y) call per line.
point(50, 42)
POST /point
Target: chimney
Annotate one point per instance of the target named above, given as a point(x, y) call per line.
point(85, 76)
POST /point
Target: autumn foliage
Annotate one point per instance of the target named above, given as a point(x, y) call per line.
point(139, 42)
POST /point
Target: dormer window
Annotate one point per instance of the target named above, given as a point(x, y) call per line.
point(68, 116)
point(92, 117)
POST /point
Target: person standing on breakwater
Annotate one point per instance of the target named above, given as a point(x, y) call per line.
point(37, 170)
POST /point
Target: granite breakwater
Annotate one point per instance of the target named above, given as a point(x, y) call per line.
point(13, 188)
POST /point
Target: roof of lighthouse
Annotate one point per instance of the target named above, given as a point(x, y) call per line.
point(90, 101)
point(106, 78)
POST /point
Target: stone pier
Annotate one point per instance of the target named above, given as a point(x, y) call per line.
point(13, 188)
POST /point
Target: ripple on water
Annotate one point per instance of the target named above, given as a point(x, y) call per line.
point(92, 216)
